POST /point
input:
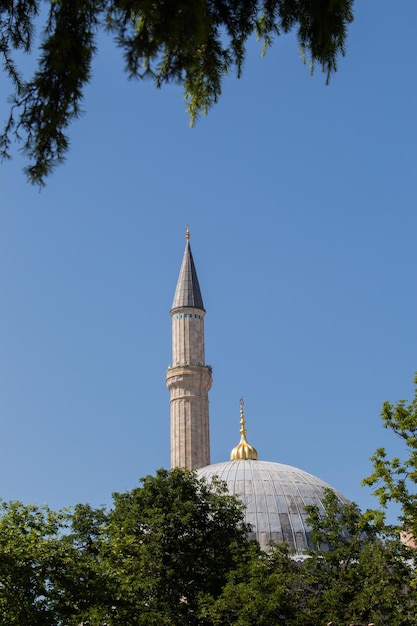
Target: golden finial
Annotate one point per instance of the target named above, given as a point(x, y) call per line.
point(242, 417)
point(243, 450)
point(187, 233)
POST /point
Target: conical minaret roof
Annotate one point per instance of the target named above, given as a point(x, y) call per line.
point(187, 293)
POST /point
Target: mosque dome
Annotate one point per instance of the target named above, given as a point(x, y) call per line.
point(274, 495)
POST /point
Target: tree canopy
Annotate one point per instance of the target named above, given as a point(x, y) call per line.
point(175, 551)
point(174, 539)
point(366, 577)
point(191, 42)
point(49, 573)
point(395, 479)
point(162, 549)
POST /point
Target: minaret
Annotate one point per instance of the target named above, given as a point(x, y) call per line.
point(188, 378)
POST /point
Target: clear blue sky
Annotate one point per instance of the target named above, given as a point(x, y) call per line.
point(301, 201)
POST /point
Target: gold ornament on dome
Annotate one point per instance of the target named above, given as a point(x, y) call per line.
point(243, 450)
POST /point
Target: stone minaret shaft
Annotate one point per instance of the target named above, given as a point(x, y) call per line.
point(188, 378)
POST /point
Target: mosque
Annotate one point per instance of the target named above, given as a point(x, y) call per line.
point(275, 495)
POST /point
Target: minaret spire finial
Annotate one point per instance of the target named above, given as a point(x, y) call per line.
point(243, 450)
point(187, 233)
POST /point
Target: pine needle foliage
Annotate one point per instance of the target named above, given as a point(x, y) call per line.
point(194, 43)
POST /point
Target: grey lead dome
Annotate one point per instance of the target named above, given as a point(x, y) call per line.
point(275, 497)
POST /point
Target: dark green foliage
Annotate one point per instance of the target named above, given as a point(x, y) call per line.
point(161, 551)
point(191, 42)
point(265, 590)
point(175, 539)
point(396, 479)
point(48, 572)
point(26, 533)
point(364, 578)
point(174, 551)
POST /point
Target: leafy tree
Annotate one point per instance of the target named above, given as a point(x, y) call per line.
point(175, 551)
point(191, 42)
point(48, 569)
point(79, 585)
point(396, 479)
point(264, 589)
point(25, 560)
point(365, 577)
point(174, 540)
point(157, 557)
